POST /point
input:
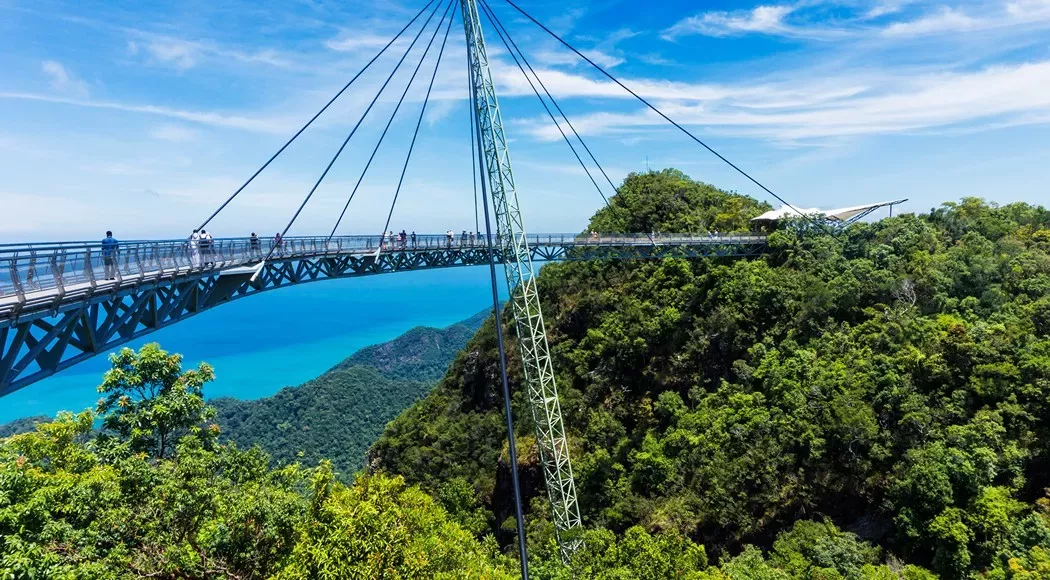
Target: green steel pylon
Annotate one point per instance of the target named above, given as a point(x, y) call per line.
point(525, 302)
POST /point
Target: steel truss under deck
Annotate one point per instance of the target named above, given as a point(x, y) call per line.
point(50, 324)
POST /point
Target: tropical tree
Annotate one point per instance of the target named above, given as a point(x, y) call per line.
point(149, 400)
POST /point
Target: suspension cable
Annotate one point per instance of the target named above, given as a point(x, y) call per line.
point(665, 117)
point(359, 122)
point(507, 43)
point(419, 122)
point(390, 122)
point(512, 449)
point(475, 162)
point(491, 15)
point(314, 118)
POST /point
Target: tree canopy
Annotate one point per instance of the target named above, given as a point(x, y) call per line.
point(892, 379)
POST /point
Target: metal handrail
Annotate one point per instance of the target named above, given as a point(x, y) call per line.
point(55, 266)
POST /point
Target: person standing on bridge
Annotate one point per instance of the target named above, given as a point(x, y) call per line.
point(195, 248)
point(413, 239)
point(472, 239)
point(206, 248)
point(253, 246)
point(109, 255)
point(277, 242)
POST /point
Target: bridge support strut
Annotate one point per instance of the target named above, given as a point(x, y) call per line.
point(525, 302)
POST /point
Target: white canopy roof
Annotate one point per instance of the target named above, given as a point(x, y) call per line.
point(841, 214)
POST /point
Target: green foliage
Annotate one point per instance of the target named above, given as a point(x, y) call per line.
point(149, 400)
point(814, 548)
point(635, 554)
point(893, 378)
point(23, 425)
point(421, 354)
point(379, 528)
point(336, 416)
point(668, 201)
point(78, 505)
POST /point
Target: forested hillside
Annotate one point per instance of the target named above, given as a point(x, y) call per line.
point(154, 495)
point(22, 425)
point(336, 416)
point(892, 381)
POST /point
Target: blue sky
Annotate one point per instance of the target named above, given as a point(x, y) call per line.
point(142, 116)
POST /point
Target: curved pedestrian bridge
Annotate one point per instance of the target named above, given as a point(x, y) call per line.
point(64, 302)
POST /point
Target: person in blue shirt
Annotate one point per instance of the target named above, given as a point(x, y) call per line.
point(109, 256)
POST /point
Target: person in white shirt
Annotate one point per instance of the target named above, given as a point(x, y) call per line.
point(206, 243)
point(195, 248)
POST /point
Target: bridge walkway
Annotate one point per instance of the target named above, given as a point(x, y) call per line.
point(58, 305)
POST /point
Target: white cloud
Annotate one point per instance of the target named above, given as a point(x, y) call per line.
point(181, 54)
point(890, 104)
point(896, 19)
point(766, 19)
point(943, 21)
point(356, 41)
point(884, 8)
point(567, 85)
point(173, 133)
point(62, 80)
point(1029, 8)
point(262, 125)
point(563, 58)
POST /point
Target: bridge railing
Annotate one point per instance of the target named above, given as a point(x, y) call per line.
point(57, 266)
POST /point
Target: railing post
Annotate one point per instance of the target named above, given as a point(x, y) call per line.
point(56, 271)
point(15, 281)
point(89, 271)
point(31, 271)
point(144, 260)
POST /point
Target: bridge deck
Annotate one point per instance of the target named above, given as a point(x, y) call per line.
point(61, 303)
point(47, 276)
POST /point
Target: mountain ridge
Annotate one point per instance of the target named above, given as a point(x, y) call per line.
point(337, 415)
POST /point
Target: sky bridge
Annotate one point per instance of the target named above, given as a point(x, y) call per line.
point(59, 305)
point(64, 302)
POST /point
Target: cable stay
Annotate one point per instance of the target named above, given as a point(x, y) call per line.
point(314, 118)
point(508, 42)
point(475, 155)
point(360, 121)
point(664, 116)
point(419, 122)
point(390, 122)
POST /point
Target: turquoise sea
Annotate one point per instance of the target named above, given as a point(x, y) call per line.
point(263, 343)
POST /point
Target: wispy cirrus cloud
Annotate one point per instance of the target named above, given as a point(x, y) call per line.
point(62, 80)
point(944, 20)
point(184, 54)
point(763, 19)
point(808, 19)
point(215, 119)
point(882, 104)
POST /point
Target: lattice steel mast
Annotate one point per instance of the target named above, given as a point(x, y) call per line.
point(525, 302)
